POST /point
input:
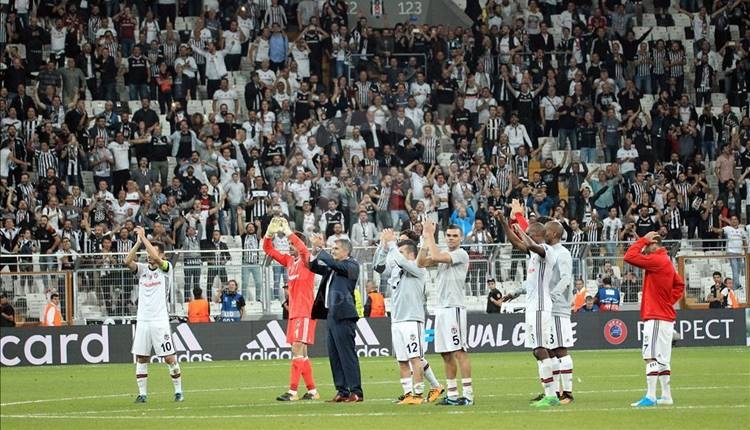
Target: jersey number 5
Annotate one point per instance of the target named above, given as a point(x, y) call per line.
point(456, 340)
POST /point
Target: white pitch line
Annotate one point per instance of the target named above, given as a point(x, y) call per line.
point(370, 400)
point(281, 387)
point(410, 412)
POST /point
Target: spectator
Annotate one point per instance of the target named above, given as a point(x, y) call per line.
point(51, 316)
point(7, 313)
point(216, 260)
point(198, 308)
point(232, 302)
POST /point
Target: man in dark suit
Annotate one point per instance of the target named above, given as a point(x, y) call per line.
point(335, 303)
point(373, 135)
point(22, 102)
point(216, 260)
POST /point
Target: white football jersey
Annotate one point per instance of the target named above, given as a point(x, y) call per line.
point(153, 290)
point(538, 279)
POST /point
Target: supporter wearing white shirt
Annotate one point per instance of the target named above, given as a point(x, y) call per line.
point(267, 76)
point(380, 111)
point(227, 96)
point(517, 134)
point(57, 37)
point(414, 113)
point(300, 189)
point(233, 42)
point(356, 145)
point(736, 238)
point(227, 166)
point(420, 90)
point(626, 156)
point(301, 55)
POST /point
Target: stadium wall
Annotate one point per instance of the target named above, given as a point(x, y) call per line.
point(266, 340)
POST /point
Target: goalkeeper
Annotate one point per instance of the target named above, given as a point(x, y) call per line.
point(300, 330)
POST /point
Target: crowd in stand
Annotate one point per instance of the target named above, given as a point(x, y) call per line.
point(347, 126)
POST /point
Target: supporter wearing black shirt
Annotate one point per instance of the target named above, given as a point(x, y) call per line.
point(494, 298)
point(146, 114)
point(551, 176)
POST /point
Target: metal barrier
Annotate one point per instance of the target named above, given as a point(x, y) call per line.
point(29, 291)
point(97, 291)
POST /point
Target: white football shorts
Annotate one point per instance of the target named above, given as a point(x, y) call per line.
point(450, 330)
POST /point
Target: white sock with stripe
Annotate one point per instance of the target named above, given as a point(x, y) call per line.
point(566, 373)
point(429, 375)
point(467, 388)
point(555, 362)
point(176, 374)
point(141, 377)
point(652, 375)
point(406, 385)
point(545, 374)
point(665, 373)
point(452, 389)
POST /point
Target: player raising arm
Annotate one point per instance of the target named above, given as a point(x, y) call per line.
point(152, 326)
point(385, 264)
point(662, 288)
point(300, 331)
point(450, 315)
point(538, 302)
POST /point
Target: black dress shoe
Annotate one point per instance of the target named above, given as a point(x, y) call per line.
point(338, 399)
point(354, 398)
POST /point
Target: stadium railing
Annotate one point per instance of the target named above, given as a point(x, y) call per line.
point(96, 292)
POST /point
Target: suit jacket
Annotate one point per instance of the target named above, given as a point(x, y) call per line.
point(537, 42)
point(341, 277)
point(22, 108)
point(358, 233)
point(219, 258)
point(143, 179)
point(366, 133)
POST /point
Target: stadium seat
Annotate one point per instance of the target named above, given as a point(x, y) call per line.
point(208, 107)
point(649, 20)
point(97, 106)
point(134, 105)
point(194, 106)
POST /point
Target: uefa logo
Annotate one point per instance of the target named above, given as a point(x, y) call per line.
point(615, 331)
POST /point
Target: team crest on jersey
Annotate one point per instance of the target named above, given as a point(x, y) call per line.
point(454, 330)
point(166, 337)
point(615, 331)
point(413, 337)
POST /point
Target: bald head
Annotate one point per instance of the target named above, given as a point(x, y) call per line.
point(553, 232)
point(536, 232)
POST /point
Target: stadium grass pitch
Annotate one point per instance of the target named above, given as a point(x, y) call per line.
point(711, 388)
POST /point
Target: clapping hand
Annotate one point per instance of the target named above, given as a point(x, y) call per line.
point(317, 240)
point(387, 236)
point(428, 228)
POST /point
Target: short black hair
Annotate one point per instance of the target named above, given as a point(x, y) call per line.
point(410, 245)
point(54, 296)
point(717, 273)
point(197, 293)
